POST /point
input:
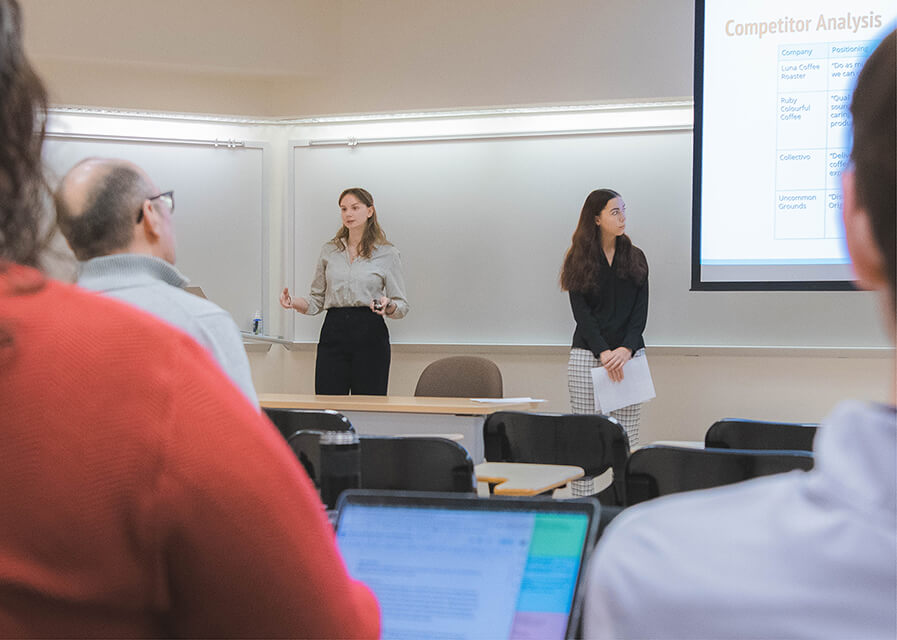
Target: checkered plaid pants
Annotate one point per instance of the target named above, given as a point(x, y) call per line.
point(582, 394)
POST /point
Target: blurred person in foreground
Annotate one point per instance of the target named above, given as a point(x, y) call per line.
point(798, 555)
point(140, 496)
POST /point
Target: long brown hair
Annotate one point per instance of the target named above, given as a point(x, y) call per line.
point(583, 263)
point(373, 235)
point(23, 117)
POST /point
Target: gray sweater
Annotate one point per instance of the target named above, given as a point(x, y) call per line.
point(157, 287)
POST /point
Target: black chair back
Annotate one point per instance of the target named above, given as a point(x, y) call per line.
point(594, 442)
point(306, 445)
point(416, 464)
point(733, 433)
point(289, 421)
point(656, 470)
point(398, 463)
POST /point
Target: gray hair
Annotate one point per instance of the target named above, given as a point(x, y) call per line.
point(107, 221)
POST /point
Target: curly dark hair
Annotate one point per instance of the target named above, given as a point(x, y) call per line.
point(23, 116)
point(583, 263)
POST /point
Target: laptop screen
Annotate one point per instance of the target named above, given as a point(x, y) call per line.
point(467, 568)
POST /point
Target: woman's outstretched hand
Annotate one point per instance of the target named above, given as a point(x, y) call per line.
point(289, 302)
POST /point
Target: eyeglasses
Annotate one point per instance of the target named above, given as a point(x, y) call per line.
point(167, 198)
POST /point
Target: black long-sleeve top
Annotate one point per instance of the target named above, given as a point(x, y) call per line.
point(612, 316)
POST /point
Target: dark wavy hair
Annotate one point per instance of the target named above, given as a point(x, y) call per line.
point(23, 117)
point(874, 153)
point(583, 264)
point(373, 235)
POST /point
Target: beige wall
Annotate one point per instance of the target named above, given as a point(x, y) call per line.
point(692, 390)
point(303, 57)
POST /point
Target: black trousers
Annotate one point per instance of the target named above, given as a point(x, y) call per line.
point(353, 353)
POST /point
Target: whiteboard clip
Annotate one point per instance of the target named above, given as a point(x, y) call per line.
point(230, 143)
point(352, 142)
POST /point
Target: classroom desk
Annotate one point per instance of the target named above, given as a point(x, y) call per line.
point(405, 415)
point(688, 444)
point(525, 479)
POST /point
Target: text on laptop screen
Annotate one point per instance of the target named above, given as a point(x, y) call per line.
point(449, 573)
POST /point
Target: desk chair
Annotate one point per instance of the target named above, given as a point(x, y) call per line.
point(289, 421)
point(733, 433)
point(594, 442)
point(460, 377)
point(402, 464)
point(658, 470)
point(416, 464)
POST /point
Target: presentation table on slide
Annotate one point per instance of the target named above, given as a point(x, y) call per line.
point(813, 135)
point(409, 415)
point(776, 131)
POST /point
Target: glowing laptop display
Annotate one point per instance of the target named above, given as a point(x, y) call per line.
point(444, 566)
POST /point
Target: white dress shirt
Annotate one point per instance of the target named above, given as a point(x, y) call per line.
point(797, 555)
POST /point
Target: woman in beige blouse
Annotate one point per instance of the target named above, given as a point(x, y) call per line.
point(358, 281)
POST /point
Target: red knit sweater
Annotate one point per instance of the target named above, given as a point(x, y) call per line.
point(141, 495)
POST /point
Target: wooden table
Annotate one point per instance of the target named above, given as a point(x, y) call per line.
point(525, 479)
point(406, 415)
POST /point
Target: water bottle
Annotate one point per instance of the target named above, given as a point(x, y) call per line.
point(340, 464)
point(257, 322)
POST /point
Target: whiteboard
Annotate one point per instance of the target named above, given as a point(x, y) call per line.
point(220, 214)
point(483, 223)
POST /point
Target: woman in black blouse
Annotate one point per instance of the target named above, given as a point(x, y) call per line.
point(607, 278)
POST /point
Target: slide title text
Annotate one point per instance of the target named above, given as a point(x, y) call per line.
point(848, 22)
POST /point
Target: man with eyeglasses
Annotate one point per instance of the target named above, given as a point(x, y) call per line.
point(119, 225)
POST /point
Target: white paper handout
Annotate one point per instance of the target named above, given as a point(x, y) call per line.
point(636, 386)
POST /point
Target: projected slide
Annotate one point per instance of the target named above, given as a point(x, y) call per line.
point(772, 132)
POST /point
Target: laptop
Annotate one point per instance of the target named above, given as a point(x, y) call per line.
point(457, 566)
